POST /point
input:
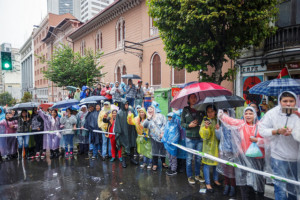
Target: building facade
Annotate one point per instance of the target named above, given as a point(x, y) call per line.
point(54, 38)
point(27, 67)
point(276, 52)
point(131, 45)
point(41, 51)
point(60, 7)
point(90, 8)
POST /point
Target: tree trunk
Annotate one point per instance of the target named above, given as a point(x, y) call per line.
point(218, 72)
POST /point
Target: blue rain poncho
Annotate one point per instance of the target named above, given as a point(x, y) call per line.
point(171, 135)
point(181, 154)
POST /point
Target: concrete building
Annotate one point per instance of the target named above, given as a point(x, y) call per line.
point(54, 38)
point(27, 67)
point(11, 80)
point(40, 49)
point(131, 45)
point(90, 8)
point(265, 62)
point(60, 7)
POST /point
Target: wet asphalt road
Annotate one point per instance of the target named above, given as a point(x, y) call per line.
point(81, 178)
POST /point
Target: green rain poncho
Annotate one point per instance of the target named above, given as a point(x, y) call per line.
point(210, 141)
point(125, 134)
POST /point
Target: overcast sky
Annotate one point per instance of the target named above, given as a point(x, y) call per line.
point(17, 18)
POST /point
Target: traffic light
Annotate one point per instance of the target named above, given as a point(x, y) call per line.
point(6, 63)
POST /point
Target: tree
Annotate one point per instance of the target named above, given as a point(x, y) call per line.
point(27, 97)
point(6, 99)
point(198, 34)
point(69, 68)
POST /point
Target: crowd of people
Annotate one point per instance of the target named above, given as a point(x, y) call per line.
point(129, 126)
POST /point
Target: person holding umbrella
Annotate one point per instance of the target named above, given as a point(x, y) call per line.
point(190, 120)
point(130, 93)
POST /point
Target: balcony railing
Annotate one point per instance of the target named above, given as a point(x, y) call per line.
point(284, 38)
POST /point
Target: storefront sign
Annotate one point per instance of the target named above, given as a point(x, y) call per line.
point(278, 66)
point(175, 91)
point(253, 68)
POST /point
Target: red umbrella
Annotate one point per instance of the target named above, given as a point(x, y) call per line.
point(45, 106)
point(201, 90)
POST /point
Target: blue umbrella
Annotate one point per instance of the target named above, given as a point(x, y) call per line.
point(186, 84)
point(93, 98)
point(88, 102)
point(276, 86)
point(26, 106)
point(66, 103)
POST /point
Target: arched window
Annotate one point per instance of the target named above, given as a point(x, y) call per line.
point(178, 76)
point(120, 70)
point(119, 74)
point(123, 73)
point(120, 33)
point(82, 48)
point(99, 41)
point(155, 70)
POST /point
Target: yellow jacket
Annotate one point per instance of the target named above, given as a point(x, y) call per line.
point(210, 141)
point(137, 123)
point(103, 126)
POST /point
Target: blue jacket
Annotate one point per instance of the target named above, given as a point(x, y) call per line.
point(2, 114)
point(171, 135)
point(82, 93)
point(181, 154)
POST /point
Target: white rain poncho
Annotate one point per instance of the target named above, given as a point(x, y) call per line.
point(82, 135)
point(241, 132)
point(282, 152)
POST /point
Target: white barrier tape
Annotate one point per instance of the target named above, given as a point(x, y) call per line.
point(39, 133)
point(271, 176)
point(103, 132)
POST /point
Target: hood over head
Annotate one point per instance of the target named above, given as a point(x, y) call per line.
point(143, 109)
point(156, 106)
point(106, 109)
point(253, 110)
point(292, 93)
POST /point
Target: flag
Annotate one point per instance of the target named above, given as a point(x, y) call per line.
point(284, 73)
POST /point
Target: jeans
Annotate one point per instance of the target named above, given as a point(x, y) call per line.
point(130, 101)
point(196, 145)
point(68, 139)
point(96, 147)
point(106, 146)
point(38, 142)
point(206, 172)
point(172, 161)
point(147, 161)
point(284, 169)
point(21, 139)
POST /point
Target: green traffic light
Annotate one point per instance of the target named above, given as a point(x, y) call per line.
point(6, 65)
point(6, 62)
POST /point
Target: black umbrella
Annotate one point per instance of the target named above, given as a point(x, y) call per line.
point(66, 103)
point(26, 106)
point(220, 102)
point(131, 76)
point(93, 98)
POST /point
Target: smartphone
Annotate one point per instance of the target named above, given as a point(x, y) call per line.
point(289, 110)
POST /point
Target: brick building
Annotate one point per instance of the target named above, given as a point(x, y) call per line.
point(131, 45)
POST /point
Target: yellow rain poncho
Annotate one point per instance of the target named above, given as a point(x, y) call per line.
point(103, 126)
point(210, 141)
point(143, 143)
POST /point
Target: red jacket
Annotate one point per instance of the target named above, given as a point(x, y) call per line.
point(103, 93)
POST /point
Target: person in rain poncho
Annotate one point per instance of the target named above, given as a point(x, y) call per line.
point(137, 109)
point(283, 134)
point(77, 94)
point(210, 145)
point(171, 135)
point(85, 92)
point(2, 131)
point(142, 141)
point(8, 144)
point(51, 123)
point(68, 122)
point(227, 151)
point(37, 125)
point(117, 93)
point(190, 120)
point(111, 119)
point(82, 135)
point(125, 134)
point(259, 113)
point(181, 154)
point(106, 146)
point(91, 123)
point(245, 132)
point(156, 123)
point(24, 124)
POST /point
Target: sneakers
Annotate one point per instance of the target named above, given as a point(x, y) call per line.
point(200, 179)
point(112, 159)
point(143, 165)
point(43, 155)
point(149, 166)
point(191, 181)
point(93, 157)
point(121, 159)
point(37, 155)
point(170, 172)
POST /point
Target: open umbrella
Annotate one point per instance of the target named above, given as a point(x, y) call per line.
point(220, 102)
point(276, 86)
point(26, 106)
point(88, 102)
point(45, 106)
point(71, 88)
point(93, 98)
point(66, 103)
point(131, 76)
point(202, 90)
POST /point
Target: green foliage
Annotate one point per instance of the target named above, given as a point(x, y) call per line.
point(69, 68)
point(6, 98)
point(198, 34)
point(27, 97)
